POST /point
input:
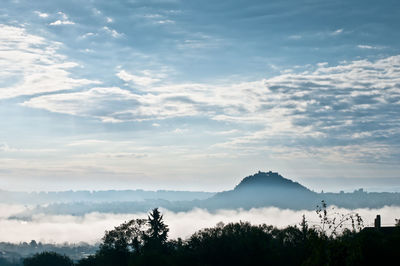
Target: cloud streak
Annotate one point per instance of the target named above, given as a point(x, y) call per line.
point(30, 65)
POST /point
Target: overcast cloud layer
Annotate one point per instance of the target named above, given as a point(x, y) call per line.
point(182, 95)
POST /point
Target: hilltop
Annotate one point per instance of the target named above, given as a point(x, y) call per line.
point(268, 180)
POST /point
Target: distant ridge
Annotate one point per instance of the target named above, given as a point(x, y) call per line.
point(262, 189)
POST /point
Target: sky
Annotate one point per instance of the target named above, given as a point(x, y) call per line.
point(196, 95)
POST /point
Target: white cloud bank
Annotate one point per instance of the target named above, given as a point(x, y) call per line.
point(90, 228)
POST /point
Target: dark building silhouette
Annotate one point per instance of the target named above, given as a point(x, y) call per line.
point(377, 222)
point(379, 228)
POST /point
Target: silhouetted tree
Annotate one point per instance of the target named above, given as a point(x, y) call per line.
point(119, 244)
point(92, 260)
point(125, 237)
point(233, 244)
point(157, 234)
point(48, 259)
point(304, 227)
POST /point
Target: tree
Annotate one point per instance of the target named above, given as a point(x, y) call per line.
point(304, 227)
point(48, 259)
point(157, 234)
point(120, 244)
point(234, 244)
point(125, 237)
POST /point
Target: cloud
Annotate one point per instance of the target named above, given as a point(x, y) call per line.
point(112, 32)
point(144, 80)
point(115, 155)
point(369, 47)
point(9, 150)
point(42, 15)
point(96, 102)
point(111, 105)
point(227, 132)
point(63, 21)
point(88, 34)
point(348, 105)
point(96, 12)
point(30, 64)
point(337, 32)
point(180, 130)
point(158, 19)
point(165, 21)
point(91, 227)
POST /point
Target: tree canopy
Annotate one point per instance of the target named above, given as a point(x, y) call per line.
point(48, 259)
point(145, 242)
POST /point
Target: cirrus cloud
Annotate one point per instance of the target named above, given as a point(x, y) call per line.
point(342, 106)
point(30, 64)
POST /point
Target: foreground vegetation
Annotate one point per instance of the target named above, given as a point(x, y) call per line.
point(145, 242)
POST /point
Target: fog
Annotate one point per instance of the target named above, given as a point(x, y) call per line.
point(90, 227)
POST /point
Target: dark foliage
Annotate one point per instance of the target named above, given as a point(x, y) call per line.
point(125, 237)
point(145, 242)
point(48, 259)
point(156, 235)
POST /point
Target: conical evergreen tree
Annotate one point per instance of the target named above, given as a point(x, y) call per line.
point(157, 234)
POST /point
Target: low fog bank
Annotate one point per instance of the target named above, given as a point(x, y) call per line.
point(90, 227)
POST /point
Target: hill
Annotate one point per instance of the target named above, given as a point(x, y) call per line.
point(268, 181)
point(264, 189)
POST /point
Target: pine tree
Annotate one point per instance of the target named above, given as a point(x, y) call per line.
point(157, 234)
